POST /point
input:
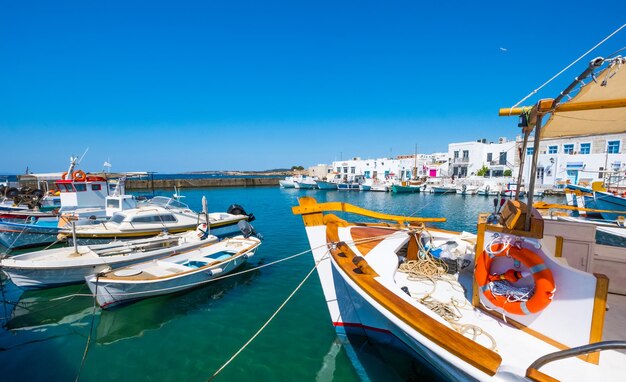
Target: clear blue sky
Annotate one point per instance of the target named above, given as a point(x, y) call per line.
point(213, 85)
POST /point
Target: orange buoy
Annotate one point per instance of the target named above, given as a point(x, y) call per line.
point(544, 281)
point(79, 176)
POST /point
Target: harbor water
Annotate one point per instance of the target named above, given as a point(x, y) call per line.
point(188, 336)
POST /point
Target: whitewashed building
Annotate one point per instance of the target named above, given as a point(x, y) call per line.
point(321, 171)
point(467, 158)
point(403, 167)
point(576, 160)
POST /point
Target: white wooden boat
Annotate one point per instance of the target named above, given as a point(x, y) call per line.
point(443, 189)
point(466, 189)
point(456, 322)
point(171, 274)
point(305, 183)
point(154, 216)
point(326, 185)
point(59, 266)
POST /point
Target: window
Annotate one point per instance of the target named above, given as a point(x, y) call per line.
point(345, 170)
point(338, 169)
point(502, 160)
point(113, 203)
point(367, 174)
point(465, 154)
point(96, 187)
point(601, 173)
point(553, 149)
point(80, 187)
point(530, 150)
point(585, 148)
point(568, 149)
point(154, 219)
point(489, 157)
point(352, 170)
point(456, 154)
point(612, 147)
point(117, 218)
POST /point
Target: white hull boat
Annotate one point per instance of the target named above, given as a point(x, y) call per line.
point(155, 216)
point(60, 266)
point(466, 316)
point(171, 274)
point(325, 185)
point(443, 190)
point(305, 184)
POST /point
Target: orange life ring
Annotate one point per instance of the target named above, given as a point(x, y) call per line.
point(63, 175)
point(79, 176)
point(544, 281)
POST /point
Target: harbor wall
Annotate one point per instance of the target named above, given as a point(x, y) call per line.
point(136, 184)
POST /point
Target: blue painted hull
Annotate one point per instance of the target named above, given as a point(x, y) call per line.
point(20, 235)
point(606, 201)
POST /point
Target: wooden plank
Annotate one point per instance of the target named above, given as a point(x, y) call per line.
point(366, 238)
point(311, 219)
point(537, 376)
point(448, 339)
point(480, 246)
point(558, 251)
point(599, 311)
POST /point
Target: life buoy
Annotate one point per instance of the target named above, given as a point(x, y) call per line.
point(544, 281)
point(79, 176)
point(63, 175)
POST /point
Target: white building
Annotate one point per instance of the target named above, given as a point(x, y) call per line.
point(577, 159)
point(321, 171)
point(403, 167)
point(467, 158)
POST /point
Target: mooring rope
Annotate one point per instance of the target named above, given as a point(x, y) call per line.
point(93, 318)
point(270, 319)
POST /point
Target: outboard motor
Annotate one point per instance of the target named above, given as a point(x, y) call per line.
point(248, 230)
point(236, 209)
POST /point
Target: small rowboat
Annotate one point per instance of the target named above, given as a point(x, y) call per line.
point(171, 274)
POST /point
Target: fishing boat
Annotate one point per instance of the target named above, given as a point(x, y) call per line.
point(444, 189)
point(400, 189)
point(171, 274)
point(365, 187)
point(326, 185)
point(289, 182)
point(497, 306)
point(466, 189)
point(31, 232)
point(490, 189)
point(373, 287)
point(153, 216)
point(612, 206)
point(60, 266)
point(306, 183)
point(348, 186)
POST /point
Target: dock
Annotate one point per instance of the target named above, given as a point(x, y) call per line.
point(143, 184)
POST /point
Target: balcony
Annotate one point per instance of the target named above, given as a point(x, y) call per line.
point(463, 160)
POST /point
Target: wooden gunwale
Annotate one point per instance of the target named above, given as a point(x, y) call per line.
point(448, 339)
point(304, 209)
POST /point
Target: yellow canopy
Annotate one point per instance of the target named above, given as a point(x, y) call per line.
point(591, 122)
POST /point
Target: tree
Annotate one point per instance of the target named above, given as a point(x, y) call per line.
point(483, 171)
point(508, 172)
point(297, 168)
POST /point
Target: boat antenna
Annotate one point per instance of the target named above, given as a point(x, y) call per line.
point(85, 153)
point(568, 66)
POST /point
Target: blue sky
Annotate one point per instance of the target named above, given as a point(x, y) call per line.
point(251, 85)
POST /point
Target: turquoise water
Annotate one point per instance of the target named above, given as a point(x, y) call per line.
point(188, 336)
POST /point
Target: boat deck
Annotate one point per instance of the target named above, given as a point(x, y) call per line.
point(615, 319)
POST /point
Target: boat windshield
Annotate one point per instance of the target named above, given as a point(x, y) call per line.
point(165, 202)
point(117, 218)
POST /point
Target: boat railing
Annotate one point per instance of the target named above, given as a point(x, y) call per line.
point(533, 370)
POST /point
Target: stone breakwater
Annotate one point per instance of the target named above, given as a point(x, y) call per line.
point(136, 184)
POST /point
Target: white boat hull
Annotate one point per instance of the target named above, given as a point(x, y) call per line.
point(113, 293)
